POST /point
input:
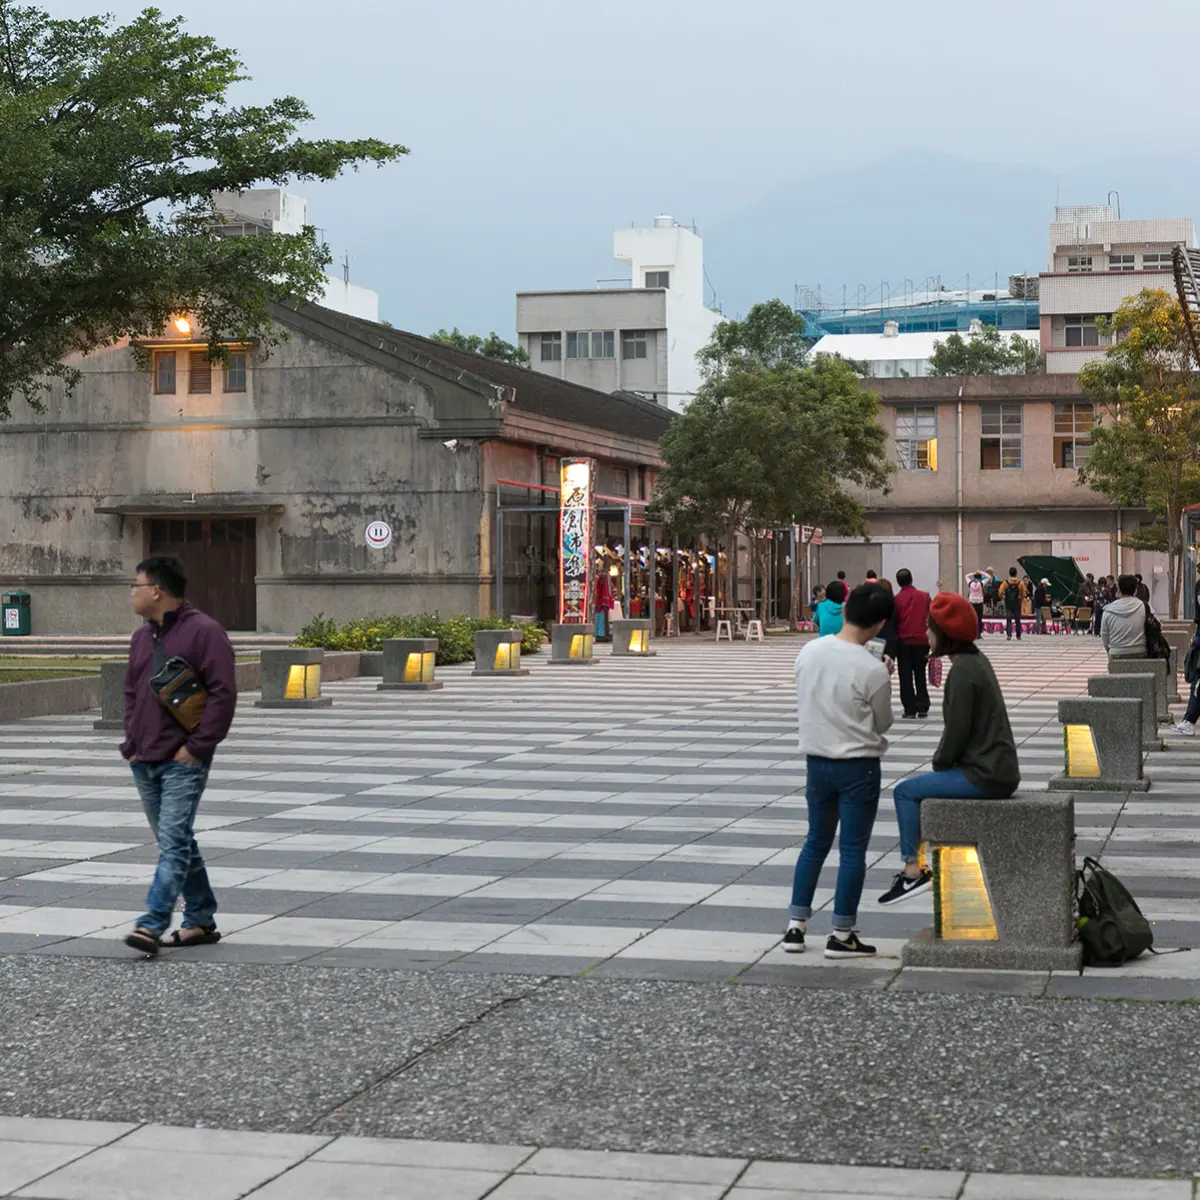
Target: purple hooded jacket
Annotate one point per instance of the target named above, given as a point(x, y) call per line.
point(151, 733)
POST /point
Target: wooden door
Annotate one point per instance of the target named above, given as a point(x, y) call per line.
point(218, 554)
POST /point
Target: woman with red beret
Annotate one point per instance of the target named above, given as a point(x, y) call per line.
point(976, 758)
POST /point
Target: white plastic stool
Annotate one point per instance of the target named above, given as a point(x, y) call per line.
point(669, 628)
point(727, 627)
point(754, 631)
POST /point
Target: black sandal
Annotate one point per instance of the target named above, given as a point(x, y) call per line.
point(209, 934)
point(144, 941)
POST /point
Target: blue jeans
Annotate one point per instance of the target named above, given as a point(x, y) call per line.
point(838, 790)
point(170, 793)
point(909, 793)
point(1193, 708)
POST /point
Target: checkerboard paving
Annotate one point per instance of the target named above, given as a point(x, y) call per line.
point(637, 817)
point(111, 1160)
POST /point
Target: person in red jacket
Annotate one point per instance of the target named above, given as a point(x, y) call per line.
point(170, 765)
point(912, 621)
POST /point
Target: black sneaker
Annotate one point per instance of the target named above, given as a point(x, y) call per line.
point(793, 941)
point(924, 716)
point(847, 947)
point(904, 886)
point(910, 716)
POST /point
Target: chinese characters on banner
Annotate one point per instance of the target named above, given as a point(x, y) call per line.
point(576, 534)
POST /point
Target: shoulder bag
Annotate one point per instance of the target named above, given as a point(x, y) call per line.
point(179, 689)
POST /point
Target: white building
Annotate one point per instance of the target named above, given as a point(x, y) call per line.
point(272, 210)
point(895, 355)
point(1096, 261)
point(641, 338)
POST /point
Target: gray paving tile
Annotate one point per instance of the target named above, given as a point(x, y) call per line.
point(1007, 983)
point(1052, 1187)
point(122, 1173)
point(402, 1152)
point(876, 1181)
point(23, 1162)
point(371, 1181)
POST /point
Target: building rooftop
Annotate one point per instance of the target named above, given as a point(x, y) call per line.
point(879, 347)
point(531, 391)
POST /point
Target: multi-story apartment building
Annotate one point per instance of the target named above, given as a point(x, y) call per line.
point(987, 471)
point(272, 210)
point(642, 338)
point(1096, 261)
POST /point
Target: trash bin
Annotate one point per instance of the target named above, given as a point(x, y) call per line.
point(15, 614)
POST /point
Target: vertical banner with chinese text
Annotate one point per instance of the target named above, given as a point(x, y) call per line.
point(576, 533)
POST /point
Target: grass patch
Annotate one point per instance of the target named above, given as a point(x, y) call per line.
point(29, 674)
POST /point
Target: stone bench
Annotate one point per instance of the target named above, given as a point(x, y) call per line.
point(572, 645)
point(498, 653)
point(291, 678)
point(631, 639)
point(1139, 666)
point(409, 664)
point(1140, 686)
point(1102, 745)
point(1004, 885)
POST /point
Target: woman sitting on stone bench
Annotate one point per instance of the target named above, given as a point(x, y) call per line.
point(976, 758)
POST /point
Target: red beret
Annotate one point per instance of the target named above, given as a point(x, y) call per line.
point(954, 616)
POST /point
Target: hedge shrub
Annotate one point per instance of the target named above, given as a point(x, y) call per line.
point(455, 635)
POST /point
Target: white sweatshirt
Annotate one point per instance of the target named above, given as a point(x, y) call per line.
point(843, 700)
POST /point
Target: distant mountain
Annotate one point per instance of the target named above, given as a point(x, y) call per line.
point(917, 214)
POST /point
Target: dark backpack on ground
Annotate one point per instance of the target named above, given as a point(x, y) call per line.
point(1111, 926)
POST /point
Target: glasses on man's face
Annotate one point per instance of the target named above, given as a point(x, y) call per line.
point(133, 587)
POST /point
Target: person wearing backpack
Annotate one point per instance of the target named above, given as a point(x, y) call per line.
point(1191, 675)
point(827, 616)
point(975, 596)
point(1013, 596)
point(977, 756)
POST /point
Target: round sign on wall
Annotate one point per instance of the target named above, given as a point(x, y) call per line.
point(379, 535)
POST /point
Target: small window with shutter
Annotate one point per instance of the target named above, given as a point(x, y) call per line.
point(199, 373)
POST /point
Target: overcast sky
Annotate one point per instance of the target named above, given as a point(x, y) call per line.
point(538, 126)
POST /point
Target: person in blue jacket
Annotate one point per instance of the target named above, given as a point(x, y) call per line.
point(828, 615)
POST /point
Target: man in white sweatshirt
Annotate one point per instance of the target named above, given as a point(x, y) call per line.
point(844, 707)
point(1123, 625)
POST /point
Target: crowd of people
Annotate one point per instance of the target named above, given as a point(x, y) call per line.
point(868, 634)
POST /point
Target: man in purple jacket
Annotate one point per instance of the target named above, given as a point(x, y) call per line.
point(170, 766)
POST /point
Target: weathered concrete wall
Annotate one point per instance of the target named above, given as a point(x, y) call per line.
point(333, 442)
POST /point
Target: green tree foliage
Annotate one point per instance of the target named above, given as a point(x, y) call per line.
point(1146, 452)
point(112, 141)
point(763, 447)
point(985, 353)
point(770, 335)
point(492, 346)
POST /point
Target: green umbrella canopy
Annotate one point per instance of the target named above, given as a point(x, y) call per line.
point(1064, 574)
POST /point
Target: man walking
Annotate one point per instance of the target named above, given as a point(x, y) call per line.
point(912, 622)
point(1013, 596)
point(170, 764)
point(844, 707)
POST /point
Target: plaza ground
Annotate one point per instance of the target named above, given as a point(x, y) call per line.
point(545, 912)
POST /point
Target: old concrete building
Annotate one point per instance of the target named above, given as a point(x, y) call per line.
point(264, 473)
point(987, 472)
